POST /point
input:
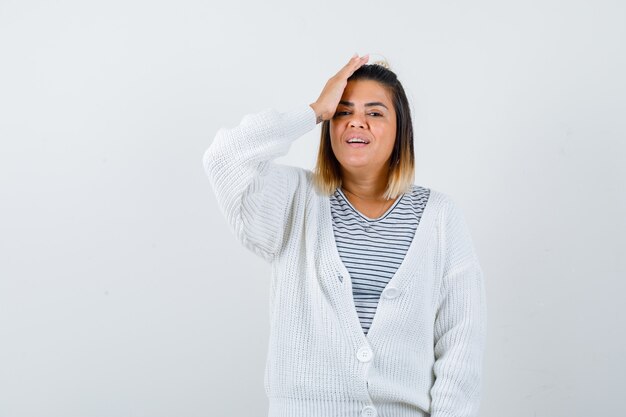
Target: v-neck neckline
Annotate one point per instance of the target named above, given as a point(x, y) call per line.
point(363, 216)
point(413, 255)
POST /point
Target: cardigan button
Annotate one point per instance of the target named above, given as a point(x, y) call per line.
point(368, 411)
point(364, 354)
point(391, 292)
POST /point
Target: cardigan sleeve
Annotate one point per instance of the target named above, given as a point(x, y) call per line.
point(252, 191)
point(460, 324)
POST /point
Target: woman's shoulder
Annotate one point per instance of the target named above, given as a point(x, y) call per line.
point(420, 190)
point(417, 189)
point(439, 200)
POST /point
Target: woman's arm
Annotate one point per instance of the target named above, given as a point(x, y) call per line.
point(252, 191)
point(460, 325)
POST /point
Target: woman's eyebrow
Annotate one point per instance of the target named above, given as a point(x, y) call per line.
point(373, 103)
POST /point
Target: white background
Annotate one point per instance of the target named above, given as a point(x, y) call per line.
point(124, 293)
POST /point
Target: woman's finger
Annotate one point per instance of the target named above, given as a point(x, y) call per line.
point(354, 64)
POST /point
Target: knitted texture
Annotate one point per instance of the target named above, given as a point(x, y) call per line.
point(423, 353)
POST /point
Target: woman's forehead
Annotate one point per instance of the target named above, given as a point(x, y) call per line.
point(365, 91)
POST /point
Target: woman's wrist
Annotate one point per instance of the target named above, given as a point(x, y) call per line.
point(319, 117)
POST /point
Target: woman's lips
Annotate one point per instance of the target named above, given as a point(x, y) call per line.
point(356, 144)
point(356, 141)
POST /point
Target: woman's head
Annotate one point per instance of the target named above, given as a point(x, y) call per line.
point(374, 109)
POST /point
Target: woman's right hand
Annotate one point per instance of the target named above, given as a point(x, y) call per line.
point(327, 102)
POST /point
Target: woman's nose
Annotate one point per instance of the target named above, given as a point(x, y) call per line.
point(357, 121)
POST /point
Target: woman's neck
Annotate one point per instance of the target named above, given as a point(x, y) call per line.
point(370, 186)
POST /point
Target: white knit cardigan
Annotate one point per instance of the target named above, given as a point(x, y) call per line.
point(423, 353)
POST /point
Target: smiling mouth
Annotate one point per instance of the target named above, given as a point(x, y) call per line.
point(357, 142)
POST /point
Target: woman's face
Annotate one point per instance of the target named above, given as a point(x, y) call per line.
point(365, 112)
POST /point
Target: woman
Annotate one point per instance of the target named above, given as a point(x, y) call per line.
point(377, 300)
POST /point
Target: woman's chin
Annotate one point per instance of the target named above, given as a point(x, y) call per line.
point(356, 164)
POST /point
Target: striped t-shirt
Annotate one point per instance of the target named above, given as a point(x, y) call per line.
point(373, 249)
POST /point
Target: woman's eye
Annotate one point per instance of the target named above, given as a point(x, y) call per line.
point(346, 113)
